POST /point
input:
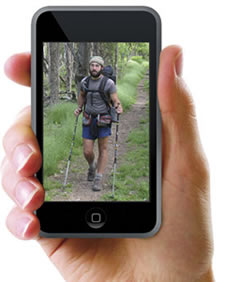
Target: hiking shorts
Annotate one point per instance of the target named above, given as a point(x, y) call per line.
point(101, 131)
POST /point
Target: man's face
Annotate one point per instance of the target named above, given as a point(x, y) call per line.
point(95, 69)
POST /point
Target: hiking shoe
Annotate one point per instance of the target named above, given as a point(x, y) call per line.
point(97, 185)
point(91, 173)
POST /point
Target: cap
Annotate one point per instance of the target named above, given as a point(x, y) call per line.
point(97, 59)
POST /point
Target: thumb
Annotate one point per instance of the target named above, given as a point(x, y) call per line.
point(180, 136)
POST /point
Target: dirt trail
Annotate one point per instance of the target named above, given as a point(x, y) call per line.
point(81, 188)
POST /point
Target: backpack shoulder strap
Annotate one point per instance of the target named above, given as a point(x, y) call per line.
point(102, 92)
point(87, 79)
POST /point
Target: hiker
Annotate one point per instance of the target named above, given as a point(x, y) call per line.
point(96, 117)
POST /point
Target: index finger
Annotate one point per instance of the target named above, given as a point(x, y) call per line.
point(19, 142)
point(17, 68)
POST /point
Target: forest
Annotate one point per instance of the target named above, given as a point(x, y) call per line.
point(65, 64)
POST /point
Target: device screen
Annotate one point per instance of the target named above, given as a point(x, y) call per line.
point(98, 155)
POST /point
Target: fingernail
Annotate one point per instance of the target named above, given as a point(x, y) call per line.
point(179, 63)
point(22, 226)
point(21, 155)
point(24, 192)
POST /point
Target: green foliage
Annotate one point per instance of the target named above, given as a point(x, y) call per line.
point(125, 50)
point(52, 184)
point(57, 114)
point(132, 177)
point(146, 85)
point(127, 86)
point(138, 59)
point(143, 50)
point(58, 132)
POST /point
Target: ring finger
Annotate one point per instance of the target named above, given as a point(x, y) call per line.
point(26, 192)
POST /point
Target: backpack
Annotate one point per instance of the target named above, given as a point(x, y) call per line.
point(107, 73)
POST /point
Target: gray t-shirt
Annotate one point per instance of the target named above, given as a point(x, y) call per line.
point(99, 106)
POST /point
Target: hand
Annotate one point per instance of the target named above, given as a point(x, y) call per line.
point(77, 111)
point(119, 109)
point(182, 249)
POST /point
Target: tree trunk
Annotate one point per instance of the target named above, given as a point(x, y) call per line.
point(54, 71)
point(82, 68)
point(116, 60)
point(68, 67)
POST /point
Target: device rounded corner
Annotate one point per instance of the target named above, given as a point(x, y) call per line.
point(39, 13)
point(44, 234)
point(154, 231)
point(154, 13)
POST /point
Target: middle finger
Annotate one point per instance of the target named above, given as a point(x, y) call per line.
point(21, 145)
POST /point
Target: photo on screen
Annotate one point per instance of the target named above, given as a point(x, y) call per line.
point(96, 121)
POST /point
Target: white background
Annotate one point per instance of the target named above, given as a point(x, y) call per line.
point(198, 26)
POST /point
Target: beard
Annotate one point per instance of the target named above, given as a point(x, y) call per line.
point(95, 73)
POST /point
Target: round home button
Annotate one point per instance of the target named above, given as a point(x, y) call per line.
point(95, 218)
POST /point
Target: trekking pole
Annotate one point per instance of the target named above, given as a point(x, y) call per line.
point(115, 155)
point(68, 163)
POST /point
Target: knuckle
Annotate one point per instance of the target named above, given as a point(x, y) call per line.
point(12, 133)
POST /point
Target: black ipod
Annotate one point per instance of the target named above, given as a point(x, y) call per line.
point(97, 120)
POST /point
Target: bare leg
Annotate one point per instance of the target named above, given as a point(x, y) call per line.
point(103, 154)
point(88, 149)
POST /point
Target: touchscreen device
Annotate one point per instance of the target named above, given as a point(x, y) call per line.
point(97, 120)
